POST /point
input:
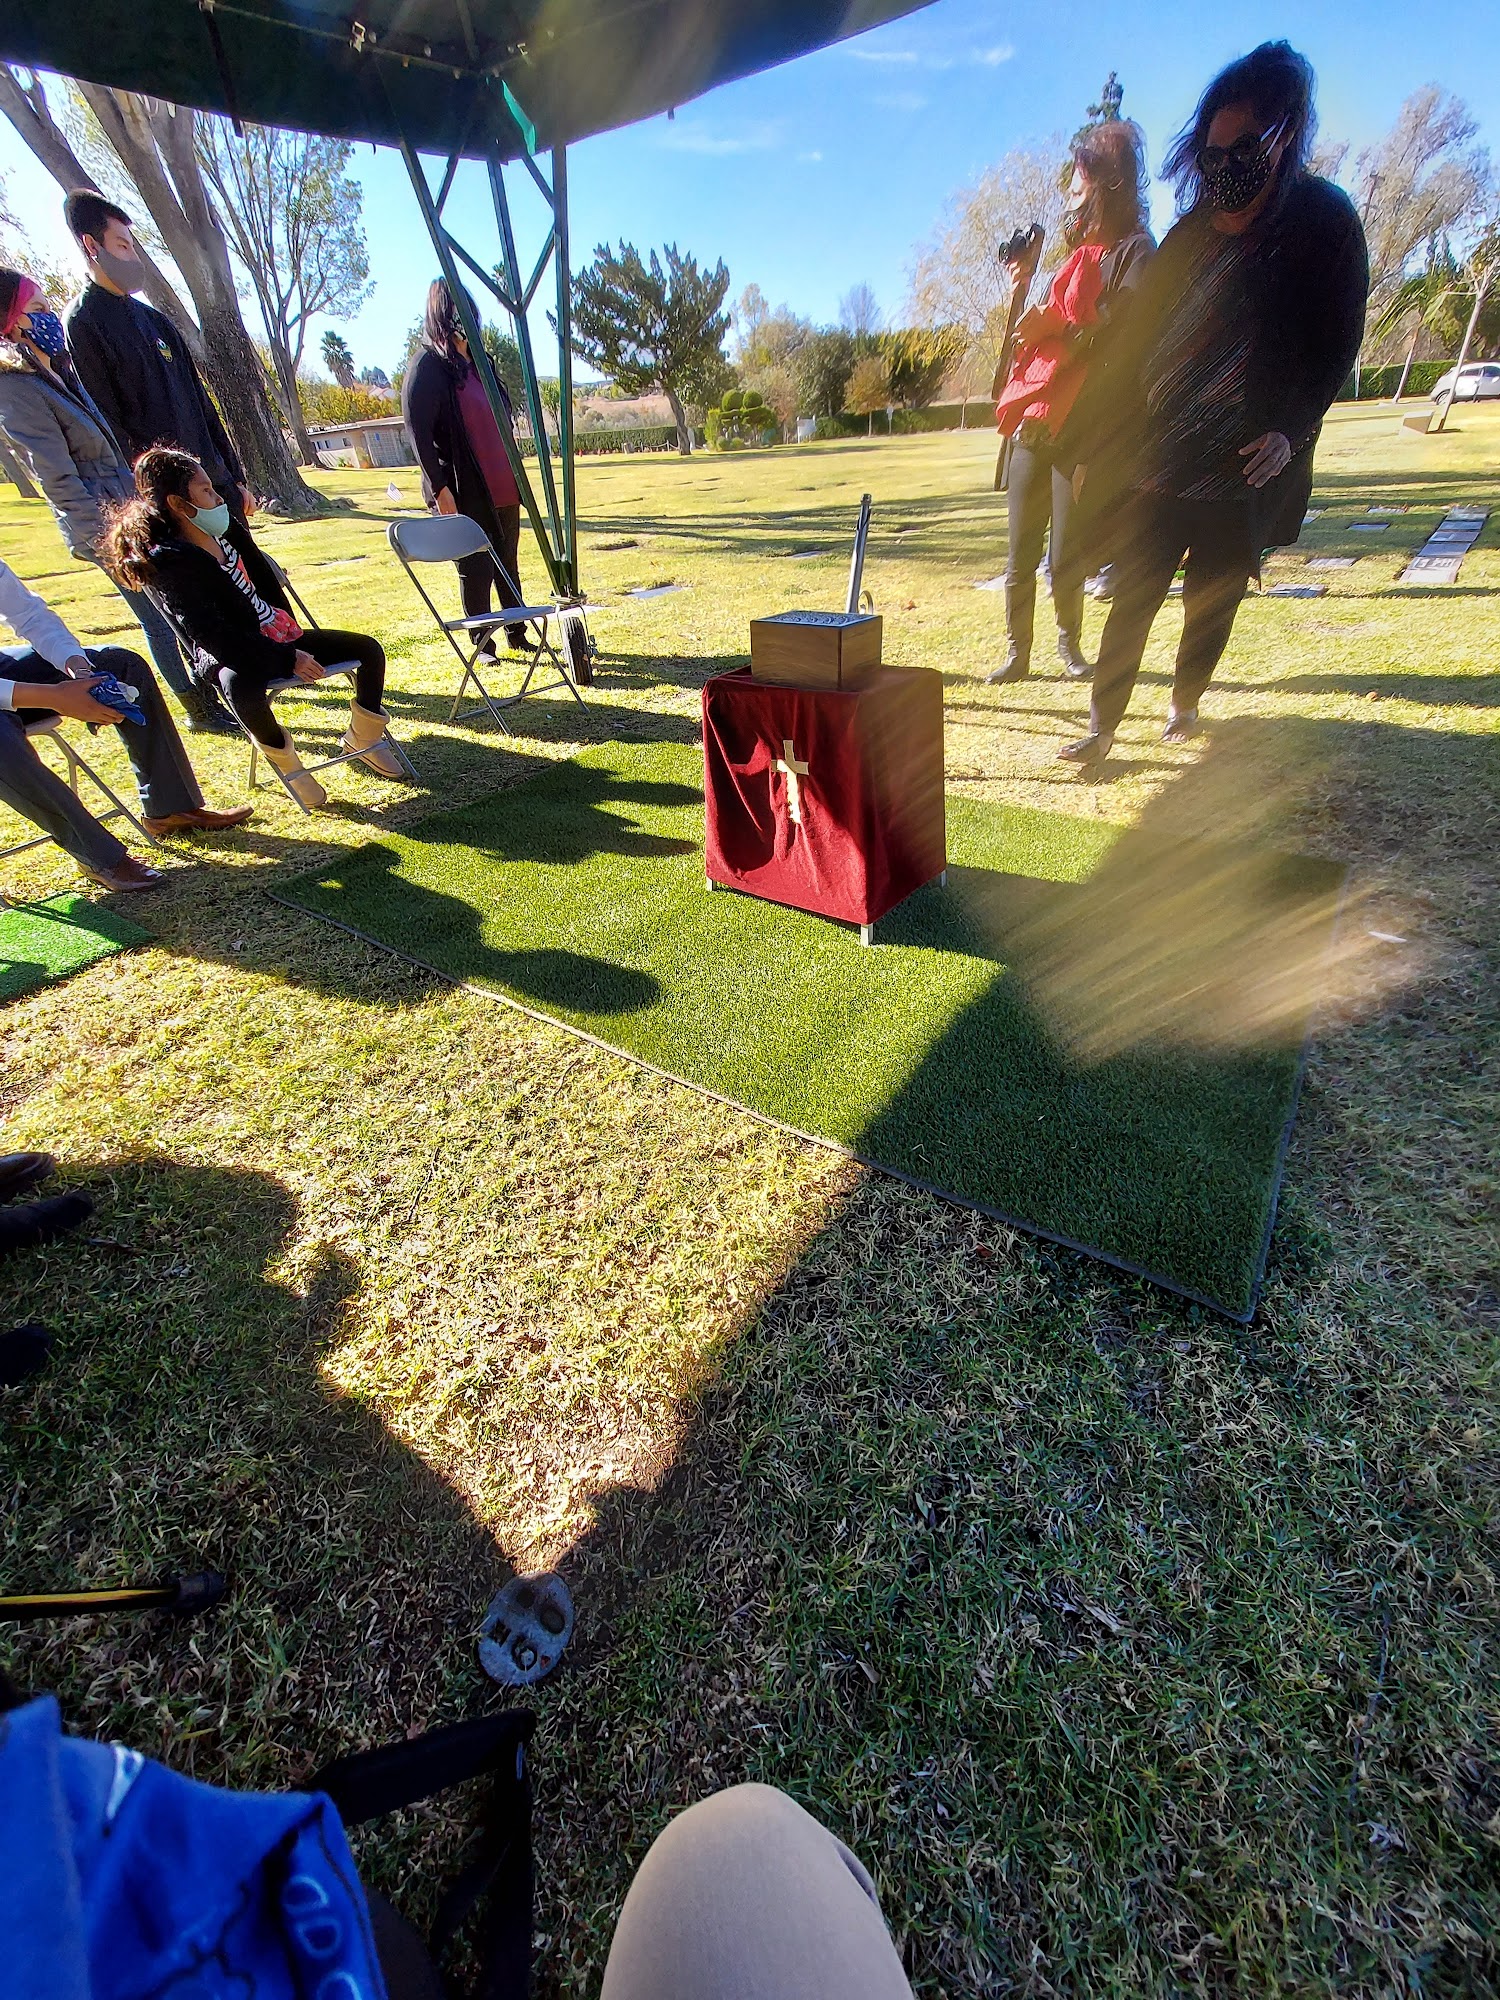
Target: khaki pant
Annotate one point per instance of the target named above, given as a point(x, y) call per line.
point(746, 1897)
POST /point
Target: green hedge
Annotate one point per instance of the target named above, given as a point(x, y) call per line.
point(1375, 384)
point(909, 423)
point(640, 437)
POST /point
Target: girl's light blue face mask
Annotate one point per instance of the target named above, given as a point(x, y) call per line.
point(213, 520)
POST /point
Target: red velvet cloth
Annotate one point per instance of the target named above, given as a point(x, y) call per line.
point(871, 796)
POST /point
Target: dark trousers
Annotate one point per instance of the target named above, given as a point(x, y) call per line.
point(244, 688)
point(163, 774)
point(1038, 492)
point(159, 636)
point(478, 575)
point(1217, 538)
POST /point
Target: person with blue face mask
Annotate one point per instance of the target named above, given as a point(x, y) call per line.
point(179, 539)
point(59, 433)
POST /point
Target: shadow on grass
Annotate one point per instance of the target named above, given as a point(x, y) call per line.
point(1072, 1611)
point(184, 1423)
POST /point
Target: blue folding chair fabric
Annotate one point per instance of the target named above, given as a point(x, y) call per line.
point(121, 1879)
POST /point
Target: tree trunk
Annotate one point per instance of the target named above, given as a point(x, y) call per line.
point(286, 375)
point(1481, 287)
point(28, 110)
point(679, 417)
point(15, 472)
point(1411, 355)
point(154, 142)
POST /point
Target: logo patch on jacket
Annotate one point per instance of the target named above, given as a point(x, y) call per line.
point(164, 350)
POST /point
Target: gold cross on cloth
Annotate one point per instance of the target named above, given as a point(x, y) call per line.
point(791, 770)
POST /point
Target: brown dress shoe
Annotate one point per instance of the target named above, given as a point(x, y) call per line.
point(129, 874)
point(197, 819)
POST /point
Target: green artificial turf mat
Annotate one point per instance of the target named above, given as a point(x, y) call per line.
point(40, 942)
point(1013, 1040)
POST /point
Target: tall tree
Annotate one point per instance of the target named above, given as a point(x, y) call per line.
point(859, 313)
point(919, 360)
point(869, 388)
point(958, 280)
point(24, 102)
point(293, 219)
point(657, 326)
point(1422, 181)
point(822, 367)
point(338, 359)
point(154, 146)
point(766, 337)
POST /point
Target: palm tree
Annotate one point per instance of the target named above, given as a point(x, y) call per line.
point(1447, 299)
point(339, 357)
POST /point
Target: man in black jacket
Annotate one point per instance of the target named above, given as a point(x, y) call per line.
point(1197, 430)
point(133, 361)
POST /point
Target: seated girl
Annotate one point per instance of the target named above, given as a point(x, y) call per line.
point(177, 540)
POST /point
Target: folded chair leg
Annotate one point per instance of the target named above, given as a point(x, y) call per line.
point(77, 764)
point(487, 700)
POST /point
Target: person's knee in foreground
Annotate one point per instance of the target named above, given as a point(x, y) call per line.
point(178, 539)
point(746, 1897)
point(1246, 327)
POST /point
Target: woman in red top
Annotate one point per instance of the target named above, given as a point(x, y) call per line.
point(1105, 225)
point(465, 469)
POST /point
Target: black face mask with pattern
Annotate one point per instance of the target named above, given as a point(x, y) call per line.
point(1235, 176)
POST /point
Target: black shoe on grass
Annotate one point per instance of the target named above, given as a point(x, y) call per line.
point(26, 1225)
point(23, 1353)
point(20, 1171)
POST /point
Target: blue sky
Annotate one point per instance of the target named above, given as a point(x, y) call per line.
point(834, 169)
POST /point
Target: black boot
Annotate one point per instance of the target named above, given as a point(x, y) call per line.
point(206, 714)
point(1017, 666)
point(26, 1225)
point(23, 1353)
point(1075, 666)
point(20, 1171)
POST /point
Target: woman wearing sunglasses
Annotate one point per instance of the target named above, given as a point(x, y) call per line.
point(1198, 433)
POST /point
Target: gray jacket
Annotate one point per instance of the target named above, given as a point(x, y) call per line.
point(70, 449)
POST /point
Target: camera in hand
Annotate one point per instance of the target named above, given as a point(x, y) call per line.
point(1023, 246)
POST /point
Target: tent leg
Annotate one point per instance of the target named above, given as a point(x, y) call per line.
point(557, 536)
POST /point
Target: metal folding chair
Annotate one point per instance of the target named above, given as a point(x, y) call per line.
point(291, 685)
point(447, 538)
point(48, 729)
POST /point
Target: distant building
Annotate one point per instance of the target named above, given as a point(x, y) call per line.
point(372, 441)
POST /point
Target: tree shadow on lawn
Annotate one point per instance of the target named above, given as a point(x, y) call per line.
point(1432, 690)
point(185, 1423)
point(586, 812)
point(932, 529)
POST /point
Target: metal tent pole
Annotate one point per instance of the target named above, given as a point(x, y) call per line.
point(557, 536)
point(565, 356)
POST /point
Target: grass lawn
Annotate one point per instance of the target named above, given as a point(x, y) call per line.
point(1134, 1652)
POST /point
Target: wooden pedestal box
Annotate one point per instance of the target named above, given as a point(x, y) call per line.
point(816, 649)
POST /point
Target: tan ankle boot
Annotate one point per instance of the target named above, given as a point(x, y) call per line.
point(366, 737)
point(302, 785)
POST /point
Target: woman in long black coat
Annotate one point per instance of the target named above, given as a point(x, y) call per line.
point(465, 469)
point(1197, 431)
